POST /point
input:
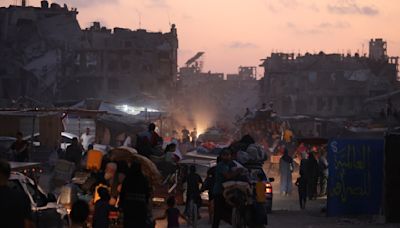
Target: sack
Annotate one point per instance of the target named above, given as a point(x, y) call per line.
point(243, 157)
point(256, 152)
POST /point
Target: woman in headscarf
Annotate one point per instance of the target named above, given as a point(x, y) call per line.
point(286, 169)
point(134, 197)
point(312, 175)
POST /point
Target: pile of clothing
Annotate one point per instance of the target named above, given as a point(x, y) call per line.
point(248, 151)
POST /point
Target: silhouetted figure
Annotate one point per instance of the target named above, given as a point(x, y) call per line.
point(172, 214)
point(193, 135)
point(286, 169)
point(134, 198)
point(323, 173)
point(185, 135)
point(301, 184)
point(74, 153)
point(102, 209)
point(20, 148)
point(148, 140)
point(312, 176)
point(15, 207)
point(79, 214)
point(193, 188)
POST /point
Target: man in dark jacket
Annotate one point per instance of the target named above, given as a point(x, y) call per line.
point(74, 153)
point(15, 207)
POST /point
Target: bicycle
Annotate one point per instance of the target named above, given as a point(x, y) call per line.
point(238, 200)
point(238, 213)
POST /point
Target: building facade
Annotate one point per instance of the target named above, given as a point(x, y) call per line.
point(47, 56)
point(327, 84)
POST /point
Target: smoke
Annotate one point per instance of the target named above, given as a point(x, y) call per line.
point(209, 105)
point(195, 111)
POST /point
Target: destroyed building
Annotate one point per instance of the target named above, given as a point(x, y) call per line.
point(216, 98)
point(328, 84)
point(47, 56)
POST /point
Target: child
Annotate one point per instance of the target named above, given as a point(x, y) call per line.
point(102, 209)
point(261, 213)
point(301, 184)
point(172, 214)
point(193, 190)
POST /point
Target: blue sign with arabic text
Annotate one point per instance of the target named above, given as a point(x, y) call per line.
point(355, 176)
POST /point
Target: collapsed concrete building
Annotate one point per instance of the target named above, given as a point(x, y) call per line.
point(47, 56)
point(328, 85)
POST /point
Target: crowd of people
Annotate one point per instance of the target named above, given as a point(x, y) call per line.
point(313, 172)
point(279, 139)
point(121, 186)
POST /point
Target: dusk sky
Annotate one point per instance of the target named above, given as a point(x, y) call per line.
point(238, 32)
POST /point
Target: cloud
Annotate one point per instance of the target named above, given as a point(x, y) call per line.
point(313, 31)
point(317, 29)
point(352, 7)
point(281, 5)
point(157, 4)
point(313, 7)
point(291, 4)
point(242, 45)
point(290, 25)
point(272, 8)
point(337, 25)
point(86, 3)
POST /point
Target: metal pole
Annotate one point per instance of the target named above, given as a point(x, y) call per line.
point(79, 126)
point(32, 136)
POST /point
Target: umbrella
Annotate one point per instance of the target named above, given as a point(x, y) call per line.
point(129, 155)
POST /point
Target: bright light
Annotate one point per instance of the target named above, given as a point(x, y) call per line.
point(133, 110)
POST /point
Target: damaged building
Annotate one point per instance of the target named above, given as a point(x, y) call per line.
point(328, 85)
point(215, 96)
point(48, 57)
point(123, 63)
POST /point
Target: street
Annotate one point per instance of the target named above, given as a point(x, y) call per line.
point(287, 213)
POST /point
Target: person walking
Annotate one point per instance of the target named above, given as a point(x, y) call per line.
point(312, 175)
point(286, 169)
point(134, 198)
point(301, 184)
point(323, 173)
point(222, 174)
point(193, 190)
point(261, 218)
point(87, 139)
point(208, 185)
point(193, 135)
point(172, 214)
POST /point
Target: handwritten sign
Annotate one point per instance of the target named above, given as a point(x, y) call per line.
point(355, 176)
